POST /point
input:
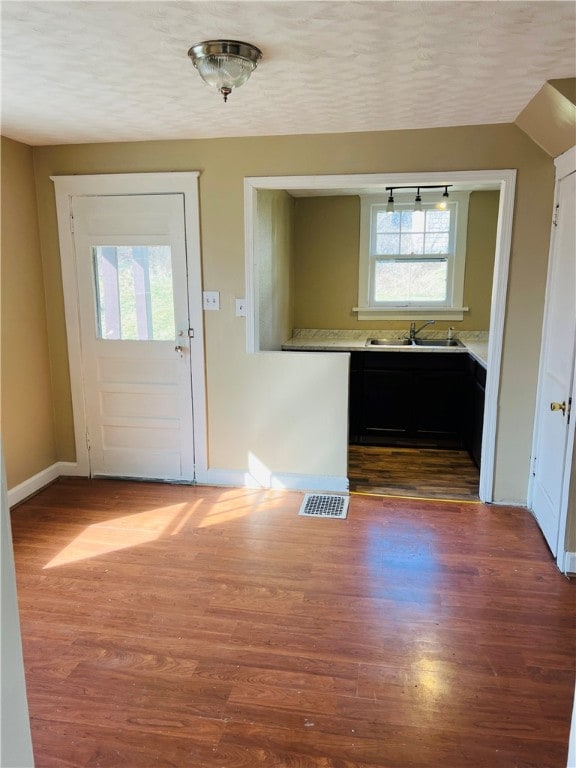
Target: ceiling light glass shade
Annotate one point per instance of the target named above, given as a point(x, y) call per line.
point(225, 64)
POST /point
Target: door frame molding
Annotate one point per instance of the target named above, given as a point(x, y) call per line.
point(372, 184)
point(565, 165)
point(185, 183)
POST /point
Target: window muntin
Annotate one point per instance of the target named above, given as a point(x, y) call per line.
point(134, 292)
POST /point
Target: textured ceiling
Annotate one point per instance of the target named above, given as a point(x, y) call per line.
point(75, 72)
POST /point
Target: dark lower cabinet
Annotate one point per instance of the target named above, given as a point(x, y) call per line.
point(425, 400)
point(409, 399)
point(387, 403)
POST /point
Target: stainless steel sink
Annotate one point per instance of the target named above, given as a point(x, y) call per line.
point(388, 343)
point(438, 342)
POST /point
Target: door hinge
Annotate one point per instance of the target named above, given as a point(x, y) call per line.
point(534, 466)
point(88, 441)
point(71, 221)
point(190, 333)
point(555, 217)
point(569, 410)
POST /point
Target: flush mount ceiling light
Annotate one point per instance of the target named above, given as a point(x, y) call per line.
point(418, 200)
point(225, 64)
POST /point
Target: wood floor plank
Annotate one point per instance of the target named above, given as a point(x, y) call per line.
point(195, 627)
point(427, 473)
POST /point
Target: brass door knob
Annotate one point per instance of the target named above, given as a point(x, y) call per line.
point(559, 407)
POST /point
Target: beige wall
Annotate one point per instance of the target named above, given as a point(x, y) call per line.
point(480, 252)
point(26, 410)
point(239, 416)
point(273, 248)
point(326, 237)
point(550, 117)
point(326, 240)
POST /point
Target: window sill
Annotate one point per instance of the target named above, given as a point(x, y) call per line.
point(396, 313)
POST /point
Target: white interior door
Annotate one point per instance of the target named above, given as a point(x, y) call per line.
point(556, 371)
point(135, 352)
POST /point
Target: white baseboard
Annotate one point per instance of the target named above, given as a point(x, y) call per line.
point(569, 562)
point(218, 477)
point(279, 482)
point(35, 483)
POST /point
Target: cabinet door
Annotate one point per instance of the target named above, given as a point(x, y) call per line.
point(386, 404)
point(440, 407)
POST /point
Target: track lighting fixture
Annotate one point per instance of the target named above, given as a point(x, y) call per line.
point(418, 199)
point(443, 203)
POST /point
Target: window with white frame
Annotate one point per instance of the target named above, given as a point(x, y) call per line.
point(412, 260)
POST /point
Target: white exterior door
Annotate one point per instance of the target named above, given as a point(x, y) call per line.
point(134, 334)
point(551, 459)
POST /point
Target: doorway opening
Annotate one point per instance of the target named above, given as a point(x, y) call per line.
point(130, 252)
point(297, 187)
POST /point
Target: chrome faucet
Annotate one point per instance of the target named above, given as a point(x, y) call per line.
point(414, 330)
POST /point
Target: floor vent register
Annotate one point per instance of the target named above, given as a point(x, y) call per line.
point(324, 505)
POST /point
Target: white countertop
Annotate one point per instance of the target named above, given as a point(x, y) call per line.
point(477, 348)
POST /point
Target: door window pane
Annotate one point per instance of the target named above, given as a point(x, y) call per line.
point(134, 297)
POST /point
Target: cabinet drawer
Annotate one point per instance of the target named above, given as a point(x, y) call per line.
point(413, 361)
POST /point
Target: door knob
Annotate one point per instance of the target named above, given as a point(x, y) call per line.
point(180, 349)
point(559, 407)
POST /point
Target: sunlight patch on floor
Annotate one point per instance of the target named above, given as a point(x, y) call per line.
point(235, 505)
point(124, 532)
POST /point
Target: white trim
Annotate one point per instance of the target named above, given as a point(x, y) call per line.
point(127, 183)
point(185, 183)
point(41, 479)
point(565, 163)
point(567, 480)
point(569, 562)
point(215, 477)
point(436, 313)
point(455, 258)
point(252, 290)
point(495, 342)
point(510, 503)
point(376, 183)
point(279, 482)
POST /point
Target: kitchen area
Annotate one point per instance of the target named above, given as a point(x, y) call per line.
point(415, 410)
point(416, 372)
point(417, 375)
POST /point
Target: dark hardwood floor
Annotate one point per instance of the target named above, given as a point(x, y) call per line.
point(194, 627)
point(422, 472)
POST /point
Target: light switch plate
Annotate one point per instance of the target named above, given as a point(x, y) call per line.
point(211, 299)
point(240, 307)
